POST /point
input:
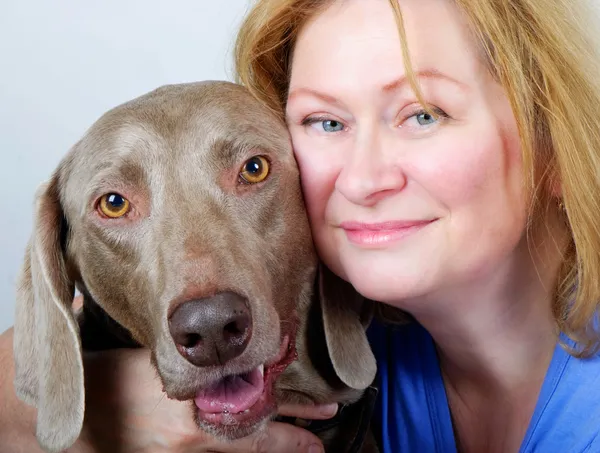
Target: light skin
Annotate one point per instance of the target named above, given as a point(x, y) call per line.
point(127, 407)
point(428, 214)
point(449, 246)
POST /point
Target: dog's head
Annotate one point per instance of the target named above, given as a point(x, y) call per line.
point(180, 214)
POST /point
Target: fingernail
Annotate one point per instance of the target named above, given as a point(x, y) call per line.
point(329, 410)
point(315, 448)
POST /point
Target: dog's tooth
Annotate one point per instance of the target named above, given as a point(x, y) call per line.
point(261, 370)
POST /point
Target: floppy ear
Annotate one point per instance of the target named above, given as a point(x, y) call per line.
point(47, 349)
point(346, 315)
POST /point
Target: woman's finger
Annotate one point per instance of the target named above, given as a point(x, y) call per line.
point(316, 412)
point(277, 438)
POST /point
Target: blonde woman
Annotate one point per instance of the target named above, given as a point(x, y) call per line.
point(449, 160)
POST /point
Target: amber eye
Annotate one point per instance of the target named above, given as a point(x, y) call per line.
point(113, 205)
point(254, 170)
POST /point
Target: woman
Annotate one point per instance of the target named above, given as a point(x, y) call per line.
point(450, 171)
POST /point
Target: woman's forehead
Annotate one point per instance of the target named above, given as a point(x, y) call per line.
point(357, 40)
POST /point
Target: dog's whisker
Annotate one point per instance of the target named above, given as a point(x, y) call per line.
point(160, 400)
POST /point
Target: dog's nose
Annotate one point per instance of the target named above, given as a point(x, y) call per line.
point(213, 330)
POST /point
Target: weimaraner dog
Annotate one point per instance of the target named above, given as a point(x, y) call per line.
point(179, 217)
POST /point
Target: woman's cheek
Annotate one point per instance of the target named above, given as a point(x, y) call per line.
point(317, 170)
point(462, 169)
point(316, 189)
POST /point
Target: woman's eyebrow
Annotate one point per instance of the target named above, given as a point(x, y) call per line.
point(423, 74)
point(311, 92)
point(391, 86)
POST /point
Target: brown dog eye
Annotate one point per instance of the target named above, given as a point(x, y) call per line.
point(113, 205)
point(254, 170)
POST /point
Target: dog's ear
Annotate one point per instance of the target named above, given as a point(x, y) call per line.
point(47, 348)
point(346, 315)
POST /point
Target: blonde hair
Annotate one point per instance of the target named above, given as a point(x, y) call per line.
point(545, 56)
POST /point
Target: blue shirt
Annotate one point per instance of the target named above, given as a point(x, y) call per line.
point(412, 413)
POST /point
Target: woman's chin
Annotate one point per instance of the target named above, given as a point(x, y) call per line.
point(389, 285)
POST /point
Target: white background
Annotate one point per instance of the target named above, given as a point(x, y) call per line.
point(65, 62)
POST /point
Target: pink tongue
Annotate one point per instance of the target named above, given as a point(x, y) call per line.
point(232, 394)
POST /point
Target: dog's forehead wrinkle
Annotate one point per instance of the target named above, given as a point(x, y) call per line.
point(203, 158)
point(240, 138)
point(222, 111)
point(195, 179)
point(233, 149)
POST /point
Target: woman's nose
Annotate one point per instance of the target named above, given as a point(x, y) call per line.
point(371, 171)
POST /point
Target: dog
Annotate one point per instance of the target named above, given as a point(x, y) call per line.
point(180, 219)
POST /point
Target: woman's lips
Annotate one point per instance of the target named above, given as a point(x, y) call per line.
point(381, 234)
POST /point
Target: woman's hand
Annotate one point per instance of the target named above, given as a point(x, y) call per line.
point(126, 407)
point(127, 412)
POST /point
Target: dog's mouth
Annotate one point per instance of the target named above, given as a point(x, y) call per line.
point(244, 399)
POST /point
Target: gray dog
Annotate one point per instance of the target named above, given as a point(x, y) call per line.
point(179, 217)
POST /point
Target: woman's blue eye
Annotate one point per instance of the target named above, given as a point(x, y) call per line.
point(425, 118)
point(332, 126)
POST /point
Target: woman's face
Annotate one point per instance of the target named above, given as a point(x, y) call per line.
point(403, 204)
